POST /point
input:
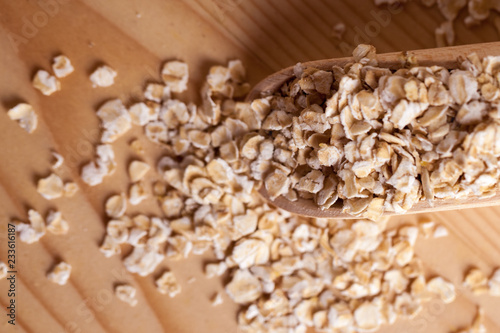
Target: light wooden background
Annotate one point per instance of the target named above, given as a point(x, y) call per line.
point(134, 37)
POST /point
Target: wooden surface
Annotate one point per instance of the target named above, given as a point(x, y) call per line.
point(134, 37)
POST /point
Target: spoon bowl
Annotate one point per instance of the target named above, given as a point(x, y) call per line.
point(446, 57)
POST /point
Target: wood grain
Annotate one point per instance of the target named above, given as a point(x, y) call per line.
point(267, 36)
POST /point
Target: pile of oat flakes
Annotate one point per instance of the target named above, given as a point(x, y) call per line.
point(287, 272)
point(380, 141)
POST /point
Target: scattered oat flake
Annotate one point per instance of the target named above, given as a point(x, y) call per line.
point(338, 30)
point(167, 284)
point(70, 189)
point(157, 92)
point(56, 224)
point(59, 160)
point(137, 193)
point(126, 293)
point(215, 269)
point(142, 113)
point(426, 227)
point(103, 76)
point(477, 281)
point(31, 233)
point(62, 66)
point(407, 306)
point(115, 120)
point(51, 187)
point(445, 34)
point(137, 146)
point(440, 232)
point(94, 172)
point(116, 206)
point(144, 259)
point(3, 270)
point(445, 290)
point(175, 74)
point(25, 116)
point(368, 317)
point(244, 287)
point(137, 170)
point(478, 325)
point(250, 252)
point(494, 284)
point(60, 273)
point(110, 247)
point(46, 83)
point(217, 299)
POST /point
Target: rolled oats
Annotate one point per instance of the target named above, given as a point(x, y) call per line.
point(368, 317)
point(3, 270)
point(59, 160)
point(378, 150)
point(110, 247)
point(137, 170)
point(292, 273)
point(94, 172)
point(215, 269)
point(250, 252)
point(31, 233)
point(141, 113)
point(144, 259)
point(175, 74)
point(46, 83)
point(167, 284)
point(406, 305)
point(244, 287)
point(445, 290)
point(217, 299)
point(62, 66)
point(126, 293)
point(51, 187)
point(418, 289)
point(60, 273)
point(427, 227)
point(494, 284)
point(396, 280)
point(338, 30)
point(115, 120)
point(25, 116)
point(156, 92)
point(477, 281)
point(277, 183)
point(103, 76)
point(137, 193)
point(70, 189)
point(56, 224)
point(116, 206)
point(440, 232)
point(137, 146)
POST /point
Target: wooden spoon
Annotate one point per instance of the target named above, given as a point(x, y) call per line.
point(445, 57)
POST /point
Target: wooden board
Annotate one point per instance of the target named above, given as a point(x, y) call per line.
point(135, 37)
